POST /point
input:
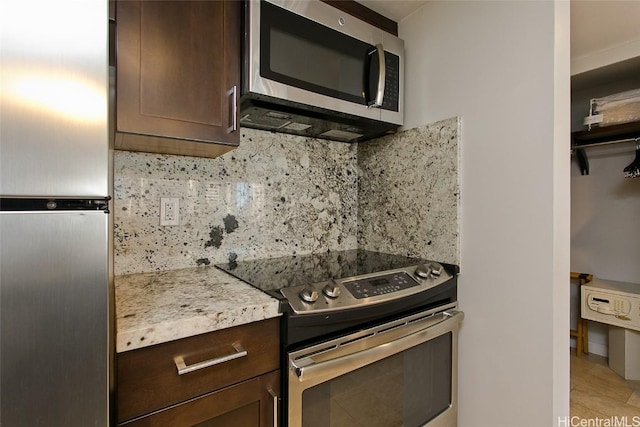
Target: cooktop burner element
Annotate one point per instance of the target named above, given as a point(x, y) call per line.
point(339, 280)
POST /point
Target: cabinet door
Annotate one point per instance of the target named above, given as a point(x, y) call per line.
point(247, 404)
point(178, 76)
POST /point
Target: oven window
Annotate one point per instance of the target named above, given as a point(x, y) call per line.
point(407, 389)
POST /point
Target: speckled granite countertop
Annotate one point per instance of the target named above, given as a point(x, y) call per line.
point(152, 308)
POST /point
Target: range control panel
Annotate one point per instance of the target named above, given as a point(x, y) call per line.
point(365, 288)
point(613, 303)
point(356, 291)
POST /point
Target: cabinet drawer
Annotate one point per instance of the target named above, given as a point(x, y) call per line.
point(148, 378)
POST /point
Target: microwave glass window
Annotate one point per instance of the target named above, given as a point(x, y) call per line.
point(315, 64)
point(302, 53)
point(408, 389)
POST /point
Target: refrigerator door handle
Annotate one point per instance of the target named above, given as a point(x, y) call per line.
point(16, 204)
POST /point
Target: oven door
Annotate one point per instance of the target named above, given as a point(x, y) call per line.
point(402, 373)
point(312, 53)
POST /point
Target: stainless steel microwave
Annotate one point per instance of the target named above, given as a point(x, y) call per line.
point(310, 69)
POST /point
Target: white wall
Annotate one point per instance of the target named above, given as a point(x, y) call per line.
point(504, 68)
point(603, 33)
point(605, 234)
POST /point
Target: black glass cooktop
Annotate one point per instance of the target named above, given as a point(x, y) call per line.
point(272, 274)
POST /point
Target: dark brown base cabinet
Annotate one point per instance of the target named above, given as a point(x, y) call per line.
point(250, 403)
point(240, 391)
point(177, 76)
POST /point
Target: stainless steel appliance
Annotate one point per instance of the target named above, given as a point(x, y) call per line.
point(54, 170)
point(310, 69)
point(365, 337)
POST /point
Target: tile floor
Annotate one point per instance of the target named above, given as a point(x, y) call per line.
point(598, 392)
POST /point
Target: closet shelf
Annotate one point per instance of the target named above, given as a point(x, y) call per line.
point(597, 135)
point(625, 132)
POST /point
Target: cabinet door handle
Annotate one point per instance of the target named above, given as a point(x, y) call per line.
point(276, 399)
point(233, 110)
point(184, 369)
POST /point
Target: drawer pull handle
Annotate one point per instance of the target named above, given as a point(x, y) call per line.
point(184, 369)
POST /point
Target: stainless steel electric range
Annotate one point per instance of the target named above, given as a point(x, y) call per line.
point(365, 337)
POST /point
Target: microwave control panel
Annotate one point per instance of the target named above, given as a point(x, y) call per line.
point(613, 303)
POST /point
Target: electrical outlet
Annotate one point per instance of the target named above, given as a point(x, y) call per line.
point(169, 211)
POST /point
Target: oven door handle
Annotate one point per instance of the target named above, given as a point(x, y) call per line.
point(332, 367)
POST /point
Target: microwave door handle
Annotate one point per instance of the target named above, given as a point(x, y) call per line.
point(377, 101)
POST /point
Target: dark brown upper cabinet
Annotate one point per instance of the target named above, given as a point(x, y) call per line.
point(177, 76)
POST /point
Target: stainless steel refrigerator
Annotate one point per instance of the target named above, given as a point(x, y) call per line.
point(54, 222)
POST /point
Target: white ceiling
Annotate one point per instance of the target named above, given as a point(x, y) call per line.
point(396, 10)
point(596, 25)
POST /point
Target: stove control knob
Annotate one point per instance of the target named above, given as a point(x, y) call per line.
point(436, 269)
point(308, 294)
point(331, 290)
point(433, 269)
point(422, 271)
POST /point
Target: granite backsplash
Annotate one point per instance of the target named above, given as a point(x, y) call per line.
point(409, 192)
point(280, 194)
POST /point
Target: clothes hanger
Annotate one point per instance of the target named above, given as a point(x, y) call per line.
point(633, 170)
